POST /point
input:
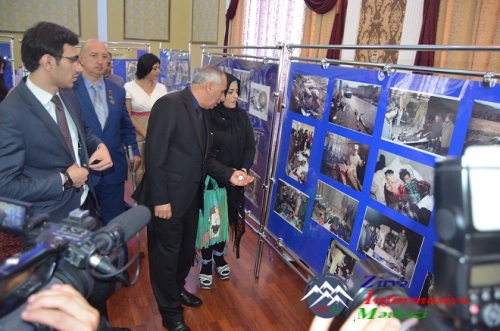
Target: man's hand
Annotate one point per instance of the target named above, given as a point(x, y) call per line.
point(240, 178)
point(163, 211)
point(62, 308)
point(79, 175)
point(102, 158)
point(137, 162)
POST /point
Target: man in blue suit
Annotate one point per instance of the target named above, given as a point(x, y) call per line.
point(46, 149)
point(103, 107)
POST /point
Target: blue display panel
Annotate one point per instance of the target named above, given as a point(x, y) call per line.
point(356, 162)
point(174, 70)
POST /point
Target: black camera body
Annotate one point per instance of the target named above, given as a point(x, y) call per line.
point(64, 252)
point(467, 258)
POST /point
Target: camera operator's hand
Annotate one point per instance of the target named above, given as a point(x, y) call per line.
point(63, 308)
point(79, 175)
point(100, 160)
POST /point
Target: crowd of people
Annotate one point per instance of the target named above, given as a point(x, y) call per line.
point(64, 131)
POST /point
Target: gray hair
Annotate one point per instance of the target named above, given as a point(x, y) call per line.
point(208, 73)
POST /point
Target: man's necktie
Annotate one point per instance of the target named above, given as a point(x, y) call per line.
point(62, 123)
point(99, 106)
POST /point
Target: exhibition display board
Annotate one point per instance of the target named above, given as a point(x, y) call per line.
point(354, 176)
point(259, 82)
point(174, 69)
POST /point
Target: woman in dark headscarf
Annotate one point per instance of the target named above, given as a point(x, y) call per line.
point(233, 146)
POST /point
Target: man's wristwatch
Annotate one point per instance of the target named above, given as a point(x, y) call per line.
point(69, 182)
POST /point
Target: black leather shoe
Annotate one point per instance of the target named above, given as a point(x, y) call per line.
point(188, 299)
point(176, 326)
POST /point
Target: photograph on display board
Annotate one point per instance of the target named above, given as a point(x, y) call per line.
point(334, 210)
point(339, 261)
point(131, 68)
point(354, 105)
point(420, 121)
point(299, 151)
point(484, 125)
point(391, 244)
point(291, 205)
point(259, 100)
point(344, 160)
point(427, 291)
point(252, 189)
point(257, 134)
point(178, 73)
point(308, 95)
point(272, 78)
point(245, 80)
point(404, 185)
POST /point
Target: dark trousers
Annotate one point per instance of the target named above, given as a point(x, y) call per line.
point(110, 199)
point(171, 247)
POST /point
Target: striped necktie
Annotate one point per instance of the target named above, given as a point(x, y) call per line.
point(99, 106)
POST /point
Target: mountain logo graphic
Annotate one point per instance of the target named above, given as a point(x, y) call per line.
point(326, 295)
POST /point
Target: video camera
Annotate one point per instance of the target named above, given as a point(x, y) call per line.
point(466, 258)
point(68, 251)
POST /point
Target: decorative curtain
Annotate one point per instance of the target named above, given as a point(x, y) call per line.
point(380, 23)
point(428, 32)
point(338, 30)
point(230, 14)
point(468, 23)
point(317, 31)
point(236, 27)
point(270, 22)
point(321, 6)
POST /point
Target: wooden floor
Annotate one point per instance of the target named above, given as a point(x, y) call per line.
point(271, 302)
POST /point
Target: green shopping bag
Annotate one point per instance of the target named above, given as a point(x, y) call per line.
point(213, 221)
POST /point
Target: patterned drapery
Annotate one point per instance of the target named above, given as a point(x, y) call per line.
point(380, 23)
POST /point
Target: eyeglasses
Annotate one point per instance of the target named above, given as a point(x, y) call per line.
point(72, 59)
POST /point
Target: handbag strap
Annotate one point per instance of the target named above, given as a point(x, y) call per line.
point(209, 179)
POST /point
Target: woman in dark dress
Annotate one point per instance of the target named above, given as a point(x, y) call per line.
point(233, 146)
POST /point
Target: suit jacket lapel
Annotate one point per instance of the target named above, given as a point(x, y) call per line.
point(39, 111)
point(193, 116)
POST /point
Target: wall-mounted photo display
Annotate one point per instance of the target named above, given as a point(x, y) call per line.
point(340, 261)
point(404, 185)
point(344, 160)
point(259, 100)
point(299, 151)
point(427, 291)
point(245, 84)
point(391, 244)
point(334, 210)
point(252, 190)
point(257, 133)
point(484, 125)
point(291, 205)
point(354, 105)
point(308, 95)
point(420, 121)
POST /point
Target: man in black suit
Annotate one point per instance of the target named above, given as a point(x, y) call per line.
point(44, 142)
point(177, 159)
